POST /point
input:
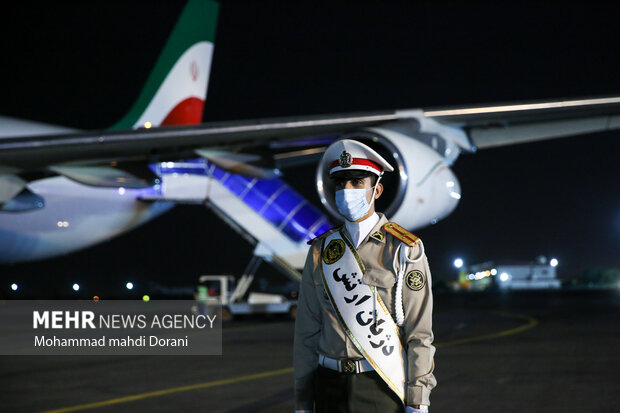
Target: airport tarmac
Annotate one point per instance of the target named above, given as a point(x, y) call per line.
point(546, 351)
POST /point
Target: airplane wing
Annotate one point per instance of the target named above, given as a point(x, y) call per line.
point(28, 153)
point(486, 126)
point(507, 124)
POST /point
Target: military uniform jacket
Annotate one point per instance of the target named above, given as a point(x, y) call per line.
point(317, 330)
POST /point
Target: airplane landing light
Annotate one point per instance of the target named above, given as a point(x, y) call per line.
point(14, 287)
point(76, 287)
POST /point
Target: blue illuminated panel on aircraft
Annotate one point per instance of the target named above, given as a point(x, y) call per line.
point(272, 198)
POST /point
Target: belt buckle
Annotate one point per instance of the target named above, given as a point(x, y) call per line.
point(348, 366)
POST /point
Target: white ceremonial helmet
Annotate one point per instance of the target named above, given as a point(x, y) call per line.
point(346, 155)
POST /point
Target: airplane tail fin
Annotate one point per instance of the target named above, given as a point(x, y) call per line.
point(176, 89)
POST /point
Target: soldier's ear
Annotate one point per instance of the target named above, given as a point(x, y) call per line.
point(379, 190)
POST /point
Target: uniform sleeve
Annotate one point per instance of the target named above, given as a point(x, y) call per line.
point(418, 329)
point(307, 329)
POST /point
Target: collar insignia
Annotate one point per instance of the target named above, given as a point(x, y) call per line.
point(377, 236)
point(346, 159)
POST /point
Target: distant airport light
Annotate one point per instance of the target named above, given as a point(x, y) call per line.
point(76, 287)
point(494, 271)
point(504, 277)
point(129, 285)
point(145, 298)
point(62, 224)
point(458, 263)
point(148, 125)
point(14, 287)
point(553, 262)
point(481, 274)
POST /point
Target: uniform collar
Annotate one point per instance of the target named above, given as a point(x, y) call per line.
point(366, 227)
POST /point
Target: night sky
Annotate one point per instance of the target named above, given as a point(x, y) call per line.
point(82, 64)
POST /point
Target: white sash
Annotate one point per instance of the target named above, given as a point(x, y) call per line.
point(375, 335)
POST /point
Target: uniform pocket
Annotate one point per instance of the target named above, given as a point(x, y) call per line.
point(379, 277)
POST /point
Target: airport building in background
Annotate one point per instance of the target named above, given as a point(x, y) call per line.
point(538, 275)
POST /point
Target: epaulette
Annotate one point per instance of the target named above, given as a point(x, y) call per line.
point(322, 235)
point(401, 233)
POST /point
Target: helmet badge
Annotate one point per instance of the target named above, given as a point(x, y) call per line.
point(346, 159)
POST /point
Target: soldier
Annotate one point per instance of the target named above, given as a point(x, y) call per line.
point(363, 335)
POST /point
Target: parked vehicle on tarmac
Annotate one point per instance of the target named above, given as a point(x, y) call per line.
point(224, 290)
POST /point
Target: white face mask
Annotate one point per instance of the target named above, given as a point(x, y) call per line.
point(352, 203)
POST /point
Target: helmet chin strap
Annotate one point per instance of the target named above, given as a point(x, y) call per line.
point(374, 191)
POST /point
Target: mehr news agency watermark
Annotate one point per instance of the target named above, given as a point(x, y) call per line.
point(109, 327)
point(87, 319)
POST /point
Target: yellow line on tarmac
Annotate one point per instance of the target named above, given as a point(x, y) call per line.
point(171, 390)
point(531, 322)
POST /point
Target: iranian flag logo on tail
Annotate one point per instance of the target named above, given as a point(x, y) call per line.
point(176, 89)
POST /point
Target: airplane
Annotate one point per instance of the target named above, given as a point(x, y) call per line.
point(63, 190)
